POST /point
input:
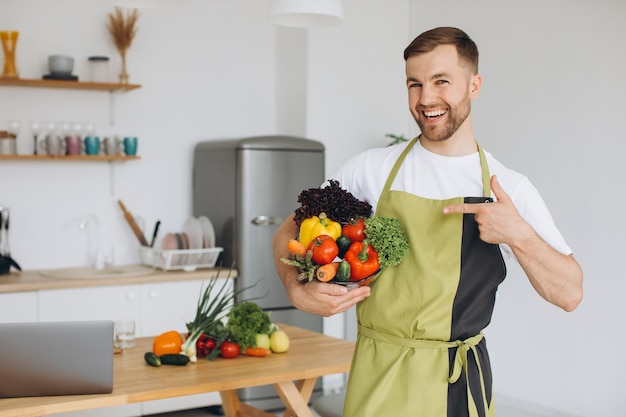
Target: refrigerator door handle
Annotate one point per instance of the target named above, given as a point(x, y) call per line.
point(266, 220)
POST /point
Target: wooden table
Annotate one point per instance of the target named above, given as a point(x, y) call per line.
point(293, 375)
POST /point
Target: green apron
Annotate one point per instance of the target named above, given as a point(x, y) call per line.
point(420, 350)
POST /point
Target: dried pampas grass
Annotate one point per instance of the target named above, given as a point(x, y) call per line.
point(123, 29)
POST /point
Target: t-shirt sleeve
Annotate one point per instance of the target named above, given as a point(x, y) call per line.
point(534, 210)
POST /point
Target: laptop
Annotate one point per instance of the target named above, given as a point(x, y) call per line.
point(56, 358)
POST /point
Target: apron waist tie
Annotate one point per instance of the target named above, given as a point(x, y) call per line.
point(460, 358)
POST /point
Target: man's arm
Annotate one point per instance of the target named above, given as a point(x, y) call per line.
point(314, 297)
point(555, 276)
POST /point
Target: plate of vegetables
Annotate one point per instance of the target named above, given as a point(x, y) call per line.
point(339, 241)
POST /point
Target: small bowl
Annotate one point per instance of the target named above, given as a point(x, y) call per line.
point(350, 285)
point(60, 64)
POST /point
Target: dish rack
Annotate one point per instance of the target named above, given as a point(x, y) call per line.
point(185, 259)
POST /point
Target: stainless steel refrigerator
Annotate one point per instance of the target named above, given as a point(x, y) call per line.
point(247, 187)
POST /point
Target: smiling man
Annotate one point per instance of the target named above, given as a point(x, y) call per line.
point(420, 348)
point(441, 84)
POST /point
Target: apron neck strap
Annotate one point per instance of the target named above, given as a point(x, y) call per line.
point(483, 167)
point(485, 171)
point(398, 164)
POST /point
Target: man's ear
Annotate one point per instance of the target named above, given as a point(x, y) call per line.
point(475, 83)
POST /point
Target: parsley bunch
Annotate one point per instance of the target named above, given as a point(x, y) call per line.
point(388, 238)
point(245, 320)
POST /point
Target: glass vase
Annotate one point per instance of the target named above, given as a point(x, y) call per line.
point(9, 39)
point(123, 73)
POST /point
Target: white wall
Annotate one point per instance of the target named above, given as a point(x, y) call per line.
point(551, 106)
point(207, 72)
point(356, 79)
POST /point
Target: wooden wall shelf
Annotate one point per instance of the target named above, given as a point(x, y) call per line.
point(76, 85)
point(69, 157)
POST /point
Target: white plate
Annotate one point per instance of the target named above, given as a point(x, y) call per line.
point(169, 242)
point(194, 232)
point(207, 231)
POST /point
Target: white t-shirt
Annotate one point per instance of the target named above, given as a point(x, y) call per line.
point(438, 177)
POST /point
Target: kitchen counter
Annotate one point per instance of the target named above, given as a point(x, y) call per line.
point(36, 280)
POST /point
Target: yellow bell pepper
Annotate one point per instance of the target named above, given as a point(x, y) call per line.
point(315, 226)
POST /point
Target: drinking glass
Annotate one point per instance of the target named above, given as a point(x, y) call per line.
point(124, 331)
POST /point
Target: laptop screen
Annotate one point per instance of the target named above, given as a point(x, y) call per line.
point(56, 358)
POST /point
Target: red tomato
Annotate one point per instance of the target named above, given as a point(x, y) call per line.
point(355, 230)
point(229, 350)
point(324, 249)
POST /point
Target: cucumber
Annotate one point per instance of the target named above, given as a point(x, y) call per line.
point(174, 359)
point(343, 273)
point(152, 359)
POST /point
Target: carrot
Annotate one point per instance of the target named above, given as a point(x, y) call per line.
point(257, 351)
point(327, 272)
point(296, 248)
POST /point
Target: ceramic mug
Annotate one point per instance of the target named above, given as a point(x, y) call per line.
point(52, 145)
point(112, 145)
point(130, 145)
point(74, 145)
point(92, 145)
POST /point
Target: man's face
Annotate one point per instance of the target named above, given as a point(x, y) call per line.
point(440, 89)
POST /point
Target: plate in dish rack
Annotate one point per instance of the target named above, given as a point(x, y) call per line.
point(169, 241)
point(193, 230)
point(208, 232)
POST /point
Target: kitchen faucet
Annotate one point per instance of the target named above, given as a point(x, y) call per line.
point(100, 261)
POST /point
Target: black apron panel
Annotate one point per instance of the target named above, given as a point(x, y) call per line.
point(457, 392)
point(482, 270)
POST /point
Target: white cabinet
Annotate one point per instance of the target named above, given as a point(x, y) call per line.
point(168, 306)
point(18, 307)
point(155, 307)
point(171, 305)
point(93, 303)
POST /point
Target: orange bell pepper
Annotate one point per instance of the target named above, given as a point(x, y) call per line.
point(168, 342)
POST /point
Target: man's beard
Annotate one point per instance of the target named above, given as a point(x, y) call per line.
point(455, 118)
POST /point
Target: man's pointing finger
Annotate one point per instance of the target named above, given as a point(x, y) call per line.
point(460, 208)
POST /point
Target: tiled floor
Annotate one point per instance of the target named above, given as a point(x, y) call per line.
point(509, 407)
point(506, 408)
point(201, 412)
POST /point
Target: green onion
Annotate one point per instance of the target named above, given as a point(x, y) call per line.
point(209, 312)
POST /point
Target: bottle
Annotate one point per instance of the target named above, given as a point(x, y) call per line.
point(8, 144)
point(99, 69)
point(6, 261)
point(4, 231)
